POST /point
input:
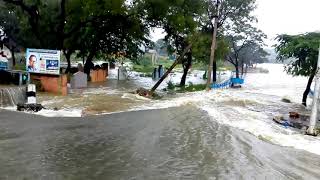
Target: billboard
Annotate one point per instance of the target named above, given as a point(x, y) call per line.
point(43, 61)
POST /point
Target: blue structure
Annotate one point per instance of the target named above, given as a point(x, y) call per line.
point(158, 72)
point(237, 80)
point(3, 65)
point(228, 83)
point(222, 85)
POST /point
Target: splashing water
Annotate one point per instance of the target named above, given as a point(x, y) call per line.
point(252, 108)
point(11, 96)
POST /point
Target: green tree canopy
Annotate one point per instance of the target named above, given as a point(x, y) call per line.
point(229, 14)
point(180, 19)
point(303, 51)
point(242, 38)
point(93, 28)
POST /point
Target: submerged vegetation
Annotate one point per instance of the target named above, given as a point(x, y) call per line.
point(192, 88)
point(171, 87)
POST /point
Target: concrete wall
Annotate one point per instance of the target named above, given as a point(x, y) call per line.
point(98, 75)
point(52, 83)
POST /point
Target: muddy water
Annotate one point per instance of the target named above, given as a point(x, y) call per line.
point(223, 134)
point(112, 95)
point(174, 143)
point(250, 108)
point(98, 98)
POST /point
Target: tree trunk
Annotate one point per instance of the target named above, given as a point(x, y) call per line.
point(67, 54)
point(186, 68)
point(89, 64)
point(242, 68)
point(307, 91)
point(246, 71)
point(212, 53)
point(184, 77)
point(214, 71)
point(13, 58)
point(237, 69)
point(90, 57)
point(170, 69)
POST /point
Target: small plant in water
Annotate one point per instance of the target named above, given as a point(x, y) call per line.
point(171, 86)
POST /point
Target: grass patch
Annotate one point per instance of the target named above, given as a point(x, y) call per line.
point(176, 88)
point(199, 66)
point(194, 88)
point(143, 69)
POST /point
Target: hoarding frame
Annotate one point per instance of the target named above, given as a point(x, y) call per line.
point(43, 61)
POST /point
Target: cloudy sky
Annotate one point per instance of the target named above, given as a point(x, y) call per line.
point(282, 16)
point(288, 16)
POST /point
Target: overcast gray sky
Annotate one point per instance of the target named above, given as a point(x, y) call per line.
point(282, 16)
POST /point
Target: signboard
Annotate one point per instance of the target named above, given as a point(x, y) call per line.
point(43, 61)
point(5, 55)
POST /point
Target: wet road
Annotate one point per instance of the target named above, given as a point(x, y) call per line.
point(174, 143)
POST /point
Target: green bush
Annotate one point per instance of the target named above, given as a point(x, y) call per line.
point(197, 87)
point(171, 86)
point(143, 69)
point(21, 67)
point(144, 60)
point(192, 88)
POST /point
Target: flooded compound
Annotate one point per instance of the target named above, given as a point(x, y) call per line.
point(222, 134)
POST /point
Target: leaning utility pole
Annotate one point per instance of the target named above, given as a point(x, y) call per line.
point(315, 104)
point(213, 46)
point(171, 68)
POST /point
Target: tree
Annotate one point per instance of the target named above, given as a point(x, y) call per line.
point(250, 55)
point(227, 14)
point(47, 24)
point(181, 24)
point(303, 49)
point(95, 28)
point(201, 52)
point(241, 37)
point(161, 47)
point(114, 30)
point(180, 20)
point(10, 31)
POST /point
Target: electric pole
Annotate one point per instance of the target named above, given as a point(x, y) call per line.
point(315, 104)
point(213, 46)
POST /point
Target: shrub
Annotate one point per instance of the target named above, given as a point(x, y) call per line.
point(171, 86)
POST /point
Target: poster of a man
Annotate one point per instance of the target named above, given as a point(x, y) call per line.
point(43, 61)
point(32, 63)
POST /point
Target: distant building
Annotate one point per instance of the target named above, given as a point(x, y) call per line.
point(154, 56)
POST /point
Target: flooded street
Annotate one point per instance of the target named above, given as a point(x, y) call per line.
point(174, 143)
point(223, 134)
